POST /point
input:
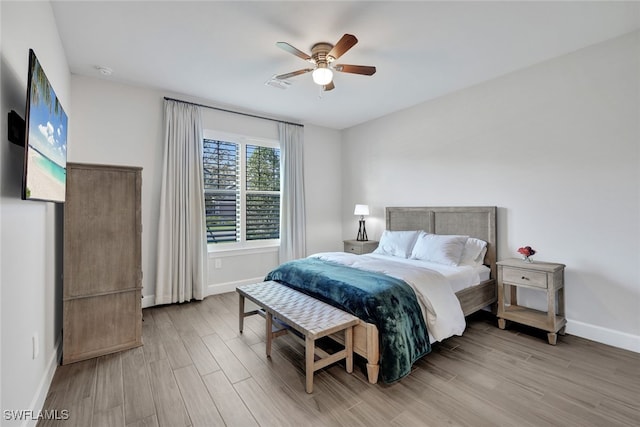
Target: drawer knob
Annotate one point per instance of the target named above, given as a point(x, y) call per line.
point(525, 278)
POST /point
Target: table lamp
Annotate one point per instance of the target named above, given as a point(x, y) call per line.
point(362, 210)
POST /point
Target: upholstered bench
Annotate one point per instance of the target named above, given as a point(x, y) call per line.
point(312, 318)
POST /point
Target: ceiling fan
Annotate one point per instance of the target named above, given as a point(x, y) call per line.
point(322, 57)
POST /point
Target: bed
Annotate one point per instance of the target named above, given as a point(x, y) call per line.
point(475, 222)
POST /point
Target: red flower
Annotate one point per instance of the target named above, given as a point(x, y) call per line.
point(526, 251)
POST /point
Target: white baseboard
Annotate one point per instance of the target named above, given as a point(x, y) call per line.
point(221, 288)
point(43, 388)
point(604, 335)
point(214, 289)
point(580, 329)
point(148, 301)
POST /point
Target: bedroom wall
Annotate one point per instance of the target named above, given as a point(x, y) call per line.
point(122, 124)
point(31, 243)
point(555, 147)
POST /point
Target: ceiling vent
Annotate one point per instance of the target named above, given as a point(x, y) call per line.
point(280, 84)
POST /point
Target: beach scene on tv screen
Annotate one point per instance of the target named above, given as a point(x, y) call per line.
point(47, 151)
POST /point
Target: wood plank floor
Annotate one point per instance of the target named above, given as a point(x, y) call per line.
point(195, 369)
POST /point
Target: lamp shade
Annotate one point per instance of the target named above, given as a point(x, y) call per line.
point(361, 210)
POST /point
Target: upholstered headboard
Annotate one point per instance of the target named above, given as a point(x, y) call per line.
point(472, 221)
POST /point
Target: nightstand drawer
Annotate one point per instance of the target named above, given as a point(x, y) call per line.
point(360, 247)
point(354, 249)
point(524, 277)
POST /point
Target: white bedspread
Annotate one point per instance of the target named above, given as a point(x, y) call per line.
point(440, 306)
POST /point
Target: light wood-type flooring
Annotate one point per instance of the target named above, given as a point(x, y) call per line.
point(195, 369)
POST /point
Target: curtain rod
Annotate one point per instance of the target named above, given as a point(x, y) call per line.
point(233, 112)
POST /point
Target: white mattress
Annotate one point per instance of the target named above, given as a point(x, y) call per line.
point(459, 277)
point(434, 285)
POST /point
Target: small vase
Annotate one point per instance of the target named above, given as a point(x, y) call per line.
point(527, 258)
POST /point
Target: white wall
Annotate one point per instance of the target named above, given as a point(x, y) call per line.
point(555, 147)
point(122, 124)
point(323, 186)
point(31, 243)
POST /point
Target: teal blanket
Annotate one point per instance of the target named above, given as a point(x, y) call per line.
point(385, 301)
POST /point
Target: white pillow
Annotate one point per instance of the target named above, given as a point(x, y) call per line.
point(473, 249)
point(480, 258)
point(441, 249)
point(397, 243)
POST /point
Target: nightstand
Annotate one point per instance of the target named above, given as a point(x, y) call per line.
point(543, 276)
point(360, 247)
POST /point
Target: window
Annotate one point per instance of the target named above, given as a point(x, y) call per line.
point(242, 190)
point(262, 192)
point(221, 190)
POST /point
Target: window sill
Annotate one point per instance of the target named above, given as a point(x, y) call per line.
point(218, 251)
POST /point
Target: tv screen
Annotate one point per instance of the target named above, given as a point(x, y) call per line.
point(45, 159)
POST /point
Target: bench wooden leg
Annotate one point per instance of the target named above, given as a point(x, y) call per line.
point(310, 350)
point(372, 373)
point(502, 323)
point(269, 333)
point(348, 345)
point(240, 312)
point(373, 355)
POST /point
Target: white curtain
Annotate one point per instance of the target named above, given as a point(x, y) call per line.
point(292, 212)
point(182, 247)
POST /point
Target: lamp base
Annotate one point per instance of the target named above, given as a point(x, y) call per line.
point(362, 232)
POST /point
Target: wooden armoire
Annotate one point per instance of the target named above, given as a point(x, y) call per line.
point(102, 307)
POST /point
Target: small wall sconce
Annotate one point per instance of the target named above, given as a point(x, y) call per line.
point(362, 210)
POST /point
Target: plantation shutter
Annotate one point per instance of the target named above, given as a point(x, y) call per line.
point(262, 193)
point(221, 187)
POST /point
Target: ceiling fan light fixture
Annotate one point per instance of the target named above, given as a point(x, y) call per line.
point(322, 55)
point(322, 75)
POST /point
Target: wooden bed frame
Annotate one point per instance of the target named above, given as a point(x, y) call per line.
point(478, 222)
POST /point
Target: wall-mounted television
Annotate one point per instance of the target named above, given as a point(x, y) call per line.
point(45, 148)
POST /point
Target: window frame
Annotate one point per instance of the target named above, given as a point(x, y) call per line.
point(243, 141)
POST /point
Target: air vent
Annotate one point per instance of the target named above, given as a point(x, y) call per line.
point(280, 84)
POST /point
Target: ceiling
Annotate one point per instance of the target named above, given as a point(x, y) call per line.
point(225, 51)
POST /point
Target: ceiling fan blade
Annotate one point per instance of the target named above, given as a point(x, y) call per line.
point(329, 86)
point(344, 44)
point(293, 74)
point(287, 47)
point(355, 69)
